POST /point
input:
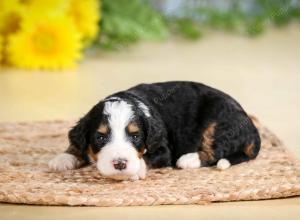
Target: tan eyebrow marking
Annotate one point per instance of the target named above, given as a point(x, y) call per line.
point(103, 128)
point(132, 127)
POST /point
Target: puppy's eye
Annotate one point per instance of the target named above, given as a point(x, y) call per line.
point(135, 137)
point(101, 138)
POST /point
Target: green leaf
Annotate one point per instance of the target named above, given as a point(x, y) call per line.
point(125, 22)
point(188, 29)
point(255, 27)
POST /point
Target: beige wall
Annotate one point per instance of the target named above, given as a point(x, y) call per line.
point(263, 74)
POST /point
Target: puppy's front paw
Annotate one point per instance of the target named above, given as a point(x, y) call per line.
point(189, 161)
point(223, 164)
point(64, 162)
point(143, 169)
point(134, 178)
point(141, 173)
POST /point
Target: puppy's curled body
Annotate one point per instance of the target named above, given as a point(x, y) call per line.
point(183, 124)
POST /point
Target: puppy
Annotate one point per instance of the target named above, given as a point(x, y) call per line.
point(181, 124)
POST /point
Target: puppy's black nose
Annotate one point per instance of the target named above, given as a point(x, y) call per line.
point(120, 164)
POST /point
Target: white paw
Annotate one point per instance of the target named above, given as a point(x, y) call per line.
point(134, 178)
point(141, 173)
point(64, 162)
point(189, 161)
point(223, 164)
point(143, 169)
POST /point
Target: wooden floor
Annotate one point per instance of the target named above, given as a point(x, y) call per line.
point(263, 74)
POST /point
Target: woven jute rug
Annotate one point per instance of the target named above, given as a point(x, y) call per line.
point(25, 149)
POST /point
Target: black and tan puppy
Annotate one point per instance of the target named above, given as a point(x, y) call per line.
point(183, 124)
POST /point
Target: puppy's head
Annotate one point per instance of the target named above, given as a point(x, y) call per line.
point(115, 135)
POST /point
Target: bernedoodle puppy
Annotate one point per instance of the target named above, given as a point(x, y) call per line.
point(181, 124)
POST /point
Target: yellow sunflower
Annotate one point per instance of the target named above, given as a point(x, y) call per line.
point(47, 43)
point(10, 16)
point(50, 7)
point(85, 15)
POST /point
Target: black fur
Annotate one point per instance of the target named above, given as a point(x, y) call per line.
point(180, 114)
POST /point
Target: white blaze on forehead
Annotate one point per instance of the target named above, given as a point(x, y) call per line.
point(119, 115)
point(113, 98)
point(144, 108)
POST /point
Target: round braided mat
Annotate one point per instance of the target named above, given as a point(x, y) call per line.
point(25, 149)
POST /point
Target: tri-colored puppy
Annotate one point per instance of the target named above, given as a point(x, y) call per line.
point(183, 124)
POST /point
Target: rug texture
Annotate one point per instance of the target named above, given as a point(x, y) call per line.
point(25, 149)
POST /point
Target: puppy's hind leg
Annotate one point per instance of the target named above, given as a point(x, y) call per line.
point(189, 161)
point(223, 164)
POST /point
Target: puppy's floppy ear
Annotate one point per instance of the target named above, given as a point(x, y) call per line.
point(156, 133)
point(79, 134)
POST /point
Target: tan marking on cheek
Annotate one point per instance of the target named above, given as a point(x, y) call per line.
point(207, 153)
point(91, 154)
point(103, 129)
point(133, 128)
point(141, 152)
point(249, 150)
